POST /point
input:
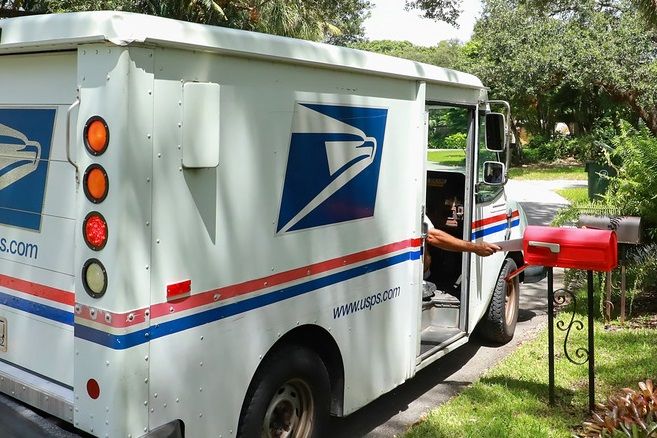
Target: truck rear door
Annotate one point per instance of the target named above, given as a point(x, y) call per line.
point(37, 221)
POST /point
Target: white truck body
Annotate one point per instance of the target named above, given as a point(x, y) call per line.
point(285, 179)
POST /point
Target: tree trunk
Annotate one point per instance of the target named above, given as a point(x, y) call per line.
point(629, 97)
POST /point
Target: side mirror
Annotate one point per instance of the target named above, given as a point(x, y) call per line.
point(495, 132)
point(494, 173)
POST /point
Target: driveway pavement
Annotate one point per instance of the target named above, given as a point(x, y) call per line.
point(393, 413)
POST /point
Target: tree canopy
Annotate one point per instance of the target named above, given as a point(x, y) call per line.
point(447, 54)
point(338, 21)
point(566, 61)
point(441, 10)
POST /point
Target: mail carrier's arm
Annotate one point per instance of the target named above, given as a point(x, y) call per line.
point(448, 242)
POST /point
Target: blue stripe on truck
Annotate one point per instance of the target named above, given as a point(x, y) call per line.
point(120, 342)
point(495, 229)
point(38, 309)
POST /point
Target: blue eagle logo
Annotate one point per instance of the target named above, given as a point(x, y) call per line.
point(333, 165)
point(25, 140)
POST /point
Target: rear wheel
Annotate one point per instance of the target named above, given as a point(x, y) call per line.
point(288, 398)
point(499, 323)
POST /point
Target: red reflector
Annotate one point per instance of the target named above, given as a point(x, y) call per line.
point(95, 231)
point(93, 388)
point(178, 290)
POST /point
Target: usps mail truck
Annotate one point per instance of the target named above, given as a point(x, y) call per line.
point(207, 232)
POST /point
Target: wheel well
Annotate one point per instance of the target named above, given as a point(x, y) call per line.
point(520, 261)
point(317, 339)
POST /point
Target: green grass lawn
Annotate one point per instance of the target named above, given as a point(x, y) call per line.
point(456, 157)
point(538, 172)
point(511, 400)
point(575, 195)
point(448, 157)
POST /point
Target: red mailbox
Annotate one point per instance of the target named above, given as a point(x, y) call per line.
point(576, 248)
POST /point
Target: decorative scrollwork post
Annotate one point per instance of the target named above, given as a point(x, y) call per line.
point(581, 355)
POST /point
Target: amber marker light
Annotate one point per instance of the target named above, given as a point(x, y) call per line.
point(96, 135)
point(96, 183)
point(95, 231)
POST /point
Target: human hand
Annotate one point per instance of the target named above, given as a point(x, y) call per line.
point(484, 249)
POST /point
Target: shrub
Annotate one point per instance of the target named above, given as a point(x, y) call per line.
point(458, 140)
point(633, 190)
point(631, 414)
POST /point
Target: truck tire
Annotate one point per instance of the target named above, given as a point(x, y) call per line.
point(288, 397)
point(499, 322)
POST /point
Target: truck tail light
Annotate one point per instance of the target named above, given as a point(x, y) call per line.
point(96, 135)
point(94, 278)
point(96, 183)
point(95, 231)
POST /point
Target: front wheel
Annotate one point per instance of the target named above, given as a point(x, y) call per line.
point(499, 323)
point(288, 398)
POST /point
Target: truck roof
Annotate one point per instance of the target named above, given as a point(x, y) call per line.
point(66, 31)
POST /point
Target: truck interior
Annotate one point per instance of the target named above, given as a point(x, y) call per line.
point(441, 303)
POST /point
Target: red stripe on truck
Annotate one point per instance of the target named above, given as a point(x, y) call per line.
point(38, 290)
point(236, 290)
point(493, 219)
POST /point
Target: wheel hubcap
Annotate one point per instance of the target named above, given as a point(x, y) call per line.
point(290, 412)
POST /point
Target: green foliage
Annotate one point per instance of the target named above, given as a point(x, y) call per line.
point(446, 54)
point(334, 21)
point(442, 10)
point(448, 128)
point(455, 141)
point(578, 63)
point(630, 413)
point(634, 191)
point(545, 151)
point(511, 400)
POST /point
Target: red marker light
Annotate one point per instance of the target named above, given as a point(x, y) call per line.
point(178, 290)
point(93, 388)
point(95, 231)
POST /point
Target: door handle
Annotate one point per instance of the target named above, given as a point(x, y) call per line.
point(555, 248)
point(68, 138)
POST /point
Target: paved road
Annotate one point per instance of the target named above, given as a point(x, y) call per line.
point(393, 413)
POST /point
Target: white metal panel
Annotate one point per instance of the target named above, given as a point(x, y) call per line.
point(218, 228)
point(36, 266)
point(200, 125)
point(116, 84)
point(49, 77)
point(123, 28)
point(121, 409)
point(39, 344)
point(42, 249)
